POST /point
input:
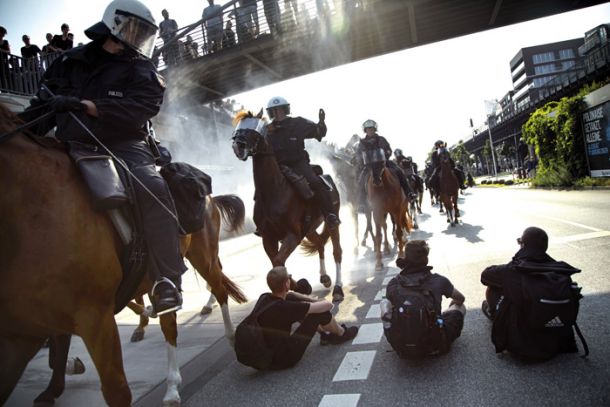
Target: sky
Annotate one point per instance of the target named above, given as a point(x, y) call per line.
point(416, 96)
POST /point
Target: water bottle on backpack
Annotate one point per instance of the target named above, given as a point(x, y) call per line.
point(386, 313)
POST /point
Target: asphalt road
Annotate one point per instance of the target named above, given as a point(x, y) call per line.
point(366, 372)
point(472, 374)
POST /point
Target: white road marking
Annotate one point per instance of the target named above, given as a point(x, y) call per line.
point(581, 236)
point(369, 333)
point(374, 312)
point(379, 296)
point(339, 400)
point(355, 366)
point(386, 281)
point(580, 225)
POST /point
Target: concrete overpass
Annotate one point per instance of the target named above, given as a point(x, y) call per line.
point(345, 31)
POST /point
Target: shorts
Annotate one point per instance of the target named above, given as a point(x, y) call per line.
point(453, 322)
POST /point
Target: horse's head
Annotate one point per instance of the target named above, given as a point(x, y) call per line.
point(443, 155)
point(249, 134)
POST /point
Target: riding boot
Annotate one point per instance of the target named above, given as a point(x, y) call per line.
point(326, 205)
point(165, 296)
point(405, 186)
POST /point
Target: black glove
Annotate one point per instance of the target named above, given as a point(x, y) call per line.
point(321, 116)
point(62, 104)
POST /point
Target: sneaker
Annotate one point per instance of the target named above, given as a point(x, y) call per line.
point(486, 310)
point(333, 339)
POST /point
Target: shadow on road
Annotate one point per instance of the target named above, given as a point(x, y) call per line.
point(465, 231)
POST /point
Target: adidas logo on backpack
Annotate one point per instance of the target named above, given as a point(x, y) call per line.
point(554, 323)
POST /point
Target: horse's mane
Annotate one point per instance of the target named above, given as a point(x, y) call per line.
point(247, 114)
point(7, 119)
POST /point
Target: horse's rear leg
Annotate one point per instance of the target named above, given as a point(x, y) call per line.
point(59, 347)
point(174, 379)
point(338, 257)
point(386, 243)
point(143, 312)
point(15, 353)
point(101, 337)
point(207, 308)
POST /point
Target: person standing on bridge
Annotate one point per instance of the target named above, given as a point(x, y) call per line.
point(167, 30)
point(287, 136)
point(111, 85)
point(212, 16)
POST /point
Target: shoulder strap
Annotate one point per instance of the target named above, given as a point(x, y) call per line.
point(582, 339)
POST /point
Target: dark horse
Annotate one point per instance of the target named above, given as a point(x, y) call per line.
point(386, 197)
point(280, 213)
point(60, 268)
point(449, 188)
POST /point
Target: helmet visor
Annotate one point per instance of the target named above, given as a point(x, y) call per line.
point(135, 32)
point(252, 123)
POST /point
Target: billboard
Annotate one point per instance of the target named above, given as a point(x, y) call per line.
point(596, 130)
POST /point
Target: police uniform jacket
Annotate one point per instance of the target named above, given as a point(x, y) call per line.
point(288, 136)
point(126, 90)
point(374, 142)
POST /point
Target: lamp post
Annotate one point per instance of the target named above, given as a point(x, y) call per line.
point(491, 145)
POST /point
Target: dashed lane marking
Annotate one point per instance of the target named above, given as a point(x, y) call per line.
point(369, 333)
point(386, 280)
point(392, 272)
point(374, 312)
point(379, 296)
point(339, 400)
point(355, 366)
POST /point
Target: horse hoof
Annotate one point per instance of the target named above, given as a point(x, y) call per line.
point(44, 399)
point(378, 267)
point(325, 280)
point(171, 403)
point(416, 226)
point(448, 221)
point(338, 294)
point(205, 310)
point(363, 243)
point(137, 335)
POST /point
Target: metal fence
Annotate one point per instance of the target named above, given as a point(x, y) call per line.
point(20, 75)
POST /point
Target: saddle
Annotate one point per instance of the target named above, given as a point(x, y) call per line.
point(301, 185)
point(111, 189)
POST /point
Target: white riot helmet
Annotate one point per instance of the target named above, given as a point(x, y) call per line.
point(131, 22)
point(277, 101)
point(369, 123)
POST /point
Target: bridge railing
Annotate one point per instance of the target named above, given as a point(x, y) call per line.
point(22, 75)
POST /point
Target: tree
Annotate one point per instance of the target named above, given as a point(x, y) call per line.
point(487, 154)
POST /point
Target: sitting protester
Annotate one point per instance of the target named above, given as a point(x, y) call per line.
point(413, 322)
point(532, 301)
point(274, 314)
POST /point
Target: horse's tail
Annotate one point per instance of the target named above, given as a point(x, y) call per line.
point(232, 210)
point(233, 290)
point(310, 248)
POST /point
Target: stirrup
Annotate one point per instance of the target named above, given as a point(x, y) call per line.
point(165, 280)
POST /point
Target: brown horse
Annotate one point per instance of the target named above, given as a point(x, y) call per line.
point(280, 213)
point(449, 187)
point(386, 197)
point(54, 245)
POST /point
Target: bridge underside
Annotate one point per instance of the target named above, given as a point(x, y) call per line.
point(384, 26)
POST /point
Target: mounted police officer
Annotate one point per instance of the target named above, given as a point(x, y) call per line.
point(409, 167)
point(373, 141)
point(436, 165)
point(287, 136)
point(111, 85)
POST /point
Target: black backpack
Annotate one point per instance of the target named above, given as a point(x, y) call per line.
point(414, 331)
point(189, 187)
point(537, 315)
point(250, 346)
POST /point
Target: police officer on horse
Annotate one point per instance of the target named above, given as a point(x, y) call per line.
point(436, 166)
point(409, 167)
point(287, 137)
point(373, 141)
point(112, 86)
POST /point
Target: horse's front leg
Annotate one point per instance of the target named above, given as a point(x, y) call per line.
point(338, 257)
point(355, 221)
point(386, 244)
point(174, 379)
